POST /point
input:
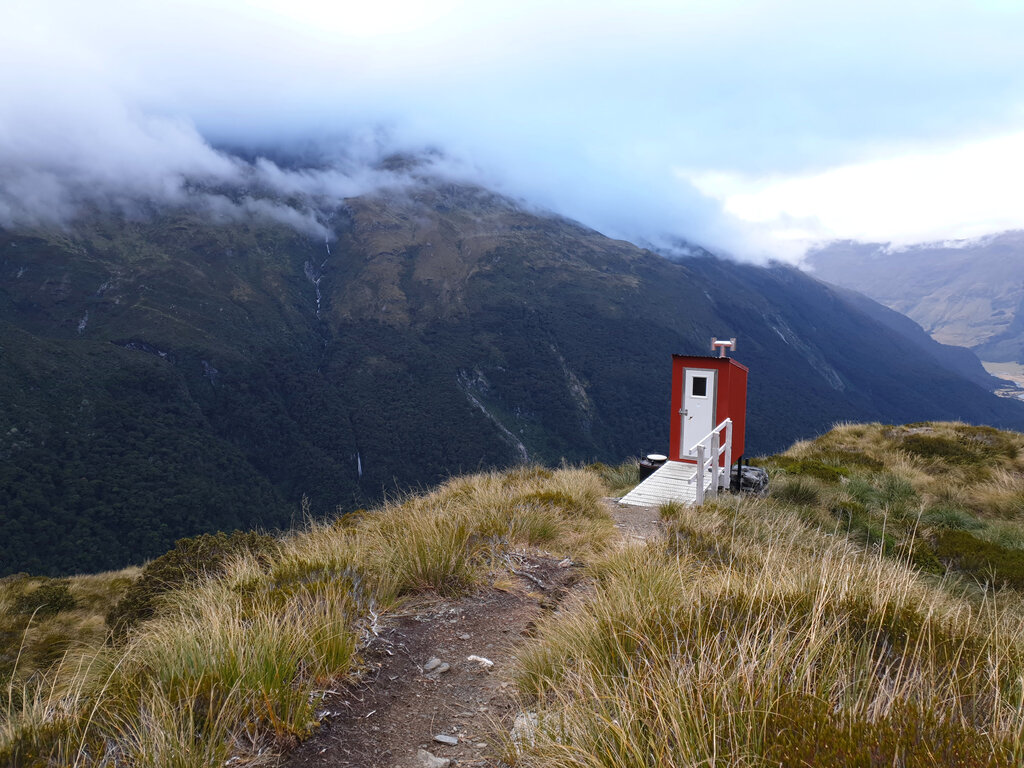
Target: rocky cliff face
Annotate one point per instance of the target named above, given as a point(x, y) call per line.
point(171, 374)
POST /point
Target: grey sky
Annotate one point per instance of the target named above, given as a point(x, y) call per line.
point(749, 126)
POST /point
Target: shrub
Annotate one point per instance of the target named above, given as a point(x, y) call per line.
point(810, 467)
point(50, 597)
point(954, 518)
point(919, 553)
point(847, 458)
point(797, 491)
point(984, 560)
point(806, 732)
point(966, 446)
point(191, 559)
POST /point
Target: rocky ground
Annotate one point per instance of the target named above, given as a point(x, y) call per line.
point(437, 690)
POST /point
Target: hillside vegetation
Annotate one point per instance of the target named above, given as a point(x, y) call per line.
point(867, 612)
point(235, 660)
point(171, 375)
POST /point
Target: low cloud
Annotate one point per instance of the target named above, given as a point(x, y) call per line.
point(606, 113)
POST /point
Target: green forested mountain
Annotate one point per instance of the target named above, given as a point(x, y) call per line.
point(170, 374)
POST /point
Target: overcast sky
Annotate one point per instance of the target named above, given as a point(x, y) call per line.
point(753, 127)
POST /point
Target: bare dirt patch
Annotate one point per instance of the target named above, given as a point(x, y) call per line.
point(420, 683)
point(400, 704)
point(636, 524)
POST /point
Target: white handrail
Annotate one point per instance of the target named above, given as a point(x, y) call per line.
point(717, 449)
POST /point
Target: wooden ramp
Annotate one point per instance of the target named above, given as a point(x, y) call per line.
point(673, 481)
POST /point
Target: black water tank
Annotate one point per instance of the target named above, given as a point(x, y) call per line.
point(649, 463)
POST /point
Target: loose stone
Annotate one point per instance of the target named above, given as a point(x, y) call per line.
point(425, 759)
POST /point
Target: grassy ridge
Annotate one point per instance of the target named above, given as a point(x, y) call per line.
point(948, 496)
point(234, 664)
point(749, 640)
point(865, 613)
point(809, 628)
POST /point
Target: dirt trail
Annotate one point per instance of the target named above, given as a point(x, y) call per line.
point(421, 683)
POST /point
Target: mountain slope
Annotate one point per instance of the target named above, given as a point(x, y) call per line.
point(174, 374)
point(968, 294)
point(958, 359)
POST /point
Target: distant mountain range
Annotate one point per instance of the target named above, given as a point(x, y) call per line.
point(168, 374)
point(968, 293)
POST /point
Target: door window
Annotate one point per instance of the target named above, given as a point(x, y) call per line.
point(699, 388)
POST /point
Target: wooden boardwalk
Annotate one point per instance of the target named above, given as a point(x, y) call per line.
point(673, 481)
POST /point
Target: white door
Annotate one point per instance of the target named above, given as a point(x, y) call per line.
point(698, 412)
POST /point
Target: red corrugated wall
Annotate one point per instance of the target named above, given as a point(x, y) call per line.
point(731, 398)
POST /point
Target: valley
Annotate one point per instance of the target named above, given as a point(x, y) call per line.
point(171, 374)
point(361, 403)
point(1012, 374)
point(965, 293)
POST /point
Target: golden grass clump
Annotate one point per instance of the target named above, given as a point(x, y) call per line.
point(446, 540)
point(233, 663)
point(750, 640)
point(945, 495)
point(619, 478)
point(35, 632)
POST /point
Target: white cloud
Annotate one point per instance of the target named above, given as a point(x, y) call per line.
point(960, 191)
point(584, 107)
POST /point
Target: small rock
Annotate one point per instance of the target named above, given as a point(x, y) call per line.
point(485, 663)
point(567, 563)
point(444, 738)
point(524, 729)
point(439, 670)
point(465, 636)
point(481, 745)
point(426, 760)
point(432, 664)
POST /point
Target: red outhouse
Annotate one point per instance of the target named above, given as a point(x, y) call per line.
point(705, 392)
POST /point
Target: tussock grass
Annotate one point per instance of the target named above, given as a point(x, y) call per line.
point(749, 640)
point(948, 496)
point(620, 478)
point(33, 640)
point(670, 510)
point(857, 616)
point(233, 660)
point(446, 540)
